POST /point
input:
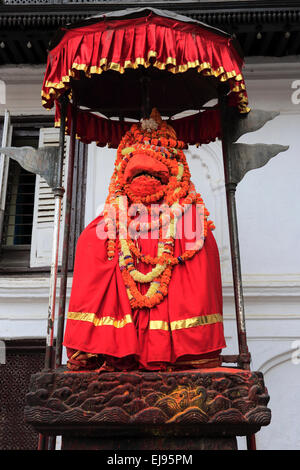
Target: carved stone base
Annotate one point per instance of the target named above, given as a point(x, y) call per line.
point(193, 409)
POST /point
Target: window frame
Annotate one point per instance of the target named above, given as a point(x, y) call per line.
point(15, 259)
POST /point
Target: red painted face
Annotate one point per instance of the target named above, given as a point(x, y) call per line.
point(145, 175)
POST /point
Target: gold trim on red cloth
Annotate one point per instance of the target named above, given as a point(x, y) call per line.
point(103, 321)
point(205, 68)
point(153, 324)
point(186, 323)
point(207, 363)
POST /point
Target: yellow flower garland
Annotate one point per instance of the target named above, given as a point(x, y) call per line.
point(179, 195)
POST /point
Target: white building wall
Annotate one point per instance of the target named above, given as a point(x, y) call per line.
point(268, 202)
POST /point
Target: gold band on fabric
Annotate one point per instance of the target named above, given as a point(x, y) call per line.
point(198, 362)
point(170, 64)
point(196, 321)
point(153, 324)
point(159, 325)
point(103, 321)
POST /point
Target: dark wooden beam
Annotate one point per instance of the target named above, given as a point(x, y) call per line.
point(265, 43)
point(281, 44)
point(226, 12)
point(5, 55)
point(245, 18)
point(39, 49)
point(31, 121)
point(28, 52)
point(294, 48)
point(78, 199)
point(16, 52)
point(250, 39)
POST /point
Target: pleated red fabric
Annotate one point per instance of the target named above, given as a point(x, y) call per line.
point(201, 128)
point(187, 324)
point(164, 43)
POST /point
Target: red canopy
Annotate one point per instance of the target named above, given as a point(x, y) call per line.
point(105, 60)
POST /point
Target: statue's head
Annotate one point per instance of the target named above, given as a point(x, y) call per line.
point(150, 164)
point(150, 169)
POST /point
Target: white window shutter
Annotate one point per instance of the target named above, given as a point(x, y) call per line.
point(4, 164)
point(43, 214)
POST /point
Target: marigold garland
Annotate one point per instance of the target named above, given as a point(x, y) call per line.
point(178, 194)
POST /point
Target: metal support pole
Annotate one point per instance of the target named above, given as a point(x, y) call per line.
point(244, 355)
point(44, 441)
point(145, 91)
point(58, 192)
point(65, 257)
point(4, 166)
point(58, 195)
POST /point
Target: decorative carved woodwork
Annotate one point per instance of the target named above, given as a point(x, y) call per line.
point(26, 27)
point(24, 357)
point(221, 402)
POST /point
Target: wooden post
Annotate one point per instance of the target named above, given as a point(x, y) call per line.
point(65, 252)
point(58, 195)
point(44, 441)
point(244, 355)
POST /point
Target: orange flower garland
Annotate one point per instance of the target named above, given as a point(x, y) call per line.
point(178, 194)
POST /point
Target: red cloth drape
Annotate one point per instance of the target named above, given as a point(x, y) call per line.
point(187, 323)
point(165, 43)
point(200, 128)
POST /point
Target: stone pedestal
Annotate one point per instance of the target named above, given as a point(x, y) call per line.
point(187, 410)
